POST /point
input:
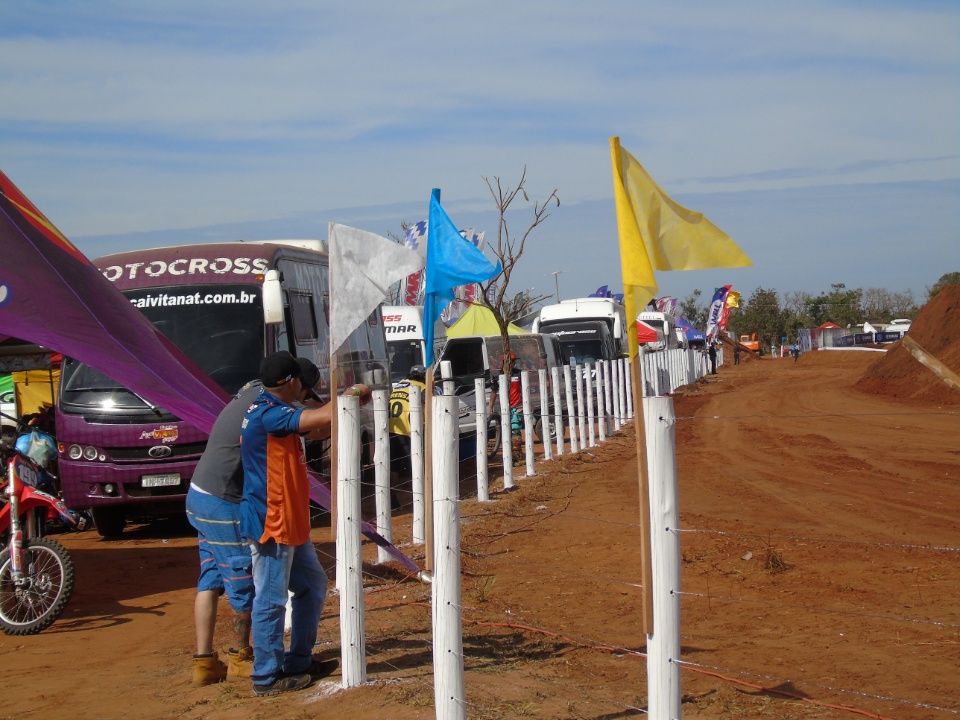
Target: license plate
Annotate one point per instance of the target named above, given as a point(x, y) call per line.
point(160, 480)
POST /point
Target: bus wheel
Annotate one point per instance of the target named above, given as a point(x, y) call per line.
point(109, 521)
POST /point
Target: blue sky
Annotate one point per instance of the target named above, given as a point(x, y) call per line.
point(824, 137)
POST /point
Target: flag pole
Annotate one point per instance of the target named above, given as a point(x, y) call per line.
point(639, 425)
point(428, 473)
point(640, 432)
point(334, 426)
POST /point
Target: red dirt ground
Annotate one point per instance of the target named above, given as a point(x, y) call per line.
point(819, 506)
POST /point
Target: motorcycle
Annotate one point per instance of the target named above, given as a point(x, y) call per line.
point(36, 573)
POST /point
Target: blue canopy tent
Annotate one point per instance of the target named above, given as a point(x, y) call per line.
point(694, 336)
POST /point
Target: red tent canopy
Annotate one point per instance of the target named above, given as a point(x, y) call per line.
point(646, 334)
point(829, 325)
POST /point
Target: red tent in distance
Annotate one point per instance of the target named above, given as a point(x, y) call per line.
point(647, 334)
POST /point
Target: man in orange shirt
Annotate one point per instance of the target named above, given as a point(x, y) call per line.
point(275, 520)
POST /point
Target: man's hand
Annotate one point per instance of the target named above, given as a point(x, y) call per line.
point(360, 390)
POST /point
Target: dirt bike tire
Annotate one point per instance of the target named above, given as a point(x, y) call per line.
point(493, 439)
point(538, 429)
point(27, 612)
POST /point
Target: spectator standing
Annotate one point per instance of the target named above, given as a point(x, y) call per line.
point(400, 453)
point(275, 520)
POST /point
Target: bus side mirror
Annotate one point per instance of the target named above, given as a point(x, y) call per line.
point(272, 298)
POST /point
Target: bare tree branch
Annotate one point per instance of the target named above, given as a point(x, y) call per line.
point(509, 250)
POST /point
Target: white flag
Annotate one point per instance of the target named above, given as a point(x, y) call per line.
point(363, 266)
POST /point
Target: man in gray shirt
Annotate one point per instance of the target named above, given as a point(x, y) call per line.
point(213, 508)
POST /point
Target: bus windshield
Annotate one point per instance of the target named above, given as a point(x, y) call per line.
point(404, 354)
point(219, 327)
point(582, 351)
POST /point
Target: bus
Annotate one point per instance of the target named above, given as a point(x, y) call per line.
point(589, 329)
point(225, 306)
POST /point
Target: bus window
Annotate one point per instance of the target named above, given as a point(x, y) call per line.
point(304, 316)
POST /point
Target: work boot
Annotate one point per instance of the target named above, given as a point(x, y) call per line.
point(240, 663)
point(282, 684)
point(207, 669)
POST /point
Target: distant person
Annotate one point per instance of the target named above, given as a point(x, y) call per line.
point(736, 355)
point(712, 353)
point(515, 394)
point(213, 509)
point(275, 520)
point(795, 351)
point(401, 465)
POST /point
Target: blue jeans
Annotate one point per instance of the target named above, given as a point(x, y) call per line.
point(275, 569)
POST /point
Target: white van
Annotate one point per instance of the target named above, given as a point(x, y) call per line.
point(481, 356)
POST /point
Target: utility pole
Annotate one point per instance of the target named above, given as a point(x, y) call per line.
point(556, 281)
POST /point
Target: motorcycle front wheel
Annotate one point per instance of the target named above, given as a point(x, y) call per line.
point(493, 437)
point(48, 584)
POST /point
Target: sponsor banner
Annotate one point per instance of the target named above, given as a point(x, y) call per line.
point(666, 304)
point(416, 239)
point(717, 316)
point(464, 295)
point(885, 337)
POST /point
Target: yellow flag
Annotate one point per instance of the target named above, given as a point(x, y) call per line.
point(733, 299)
point(658, 234)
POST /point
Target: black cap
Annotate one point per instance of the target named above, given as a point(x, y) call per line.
point(279, 369)
point(309, 376)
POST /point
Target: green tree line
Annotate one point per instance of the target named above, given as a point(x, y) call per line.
point(773, 315)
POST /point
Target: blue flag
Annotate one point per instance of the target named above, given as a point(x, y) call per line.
point(451, 261)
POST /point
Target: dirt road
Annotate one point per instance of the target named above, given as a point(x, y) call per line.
point(819, 533)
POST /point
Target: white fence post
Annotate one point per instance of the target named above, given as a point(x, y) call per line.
point(621, 387)
point(381, 470)
point(449, 687)
point(615, 392)
point(628, 377)
point(483, 482)
point(349, 560)
point(545, 421)
point(557, 408)
point(581, 411)
point(506, 432)
point(663, 646)
point(527, 422)
point(416, 464)
point(601, 408)
point(571, 412)
point(588, 390)
point(608, 394)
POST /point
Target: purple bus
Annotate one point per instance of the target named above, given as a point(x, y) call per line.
point(225, 305)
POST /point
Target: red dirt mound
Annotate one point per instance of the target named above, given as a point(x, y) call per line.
point(937, 330)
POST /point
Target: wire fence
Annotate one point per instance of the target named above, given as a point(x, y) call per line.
point(879, 612)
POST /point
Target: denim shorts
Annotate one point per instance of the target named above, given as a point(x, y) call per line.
point(225, 561)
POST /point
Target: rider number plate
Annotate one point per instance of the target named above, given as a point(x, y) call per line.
point(160, 480)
